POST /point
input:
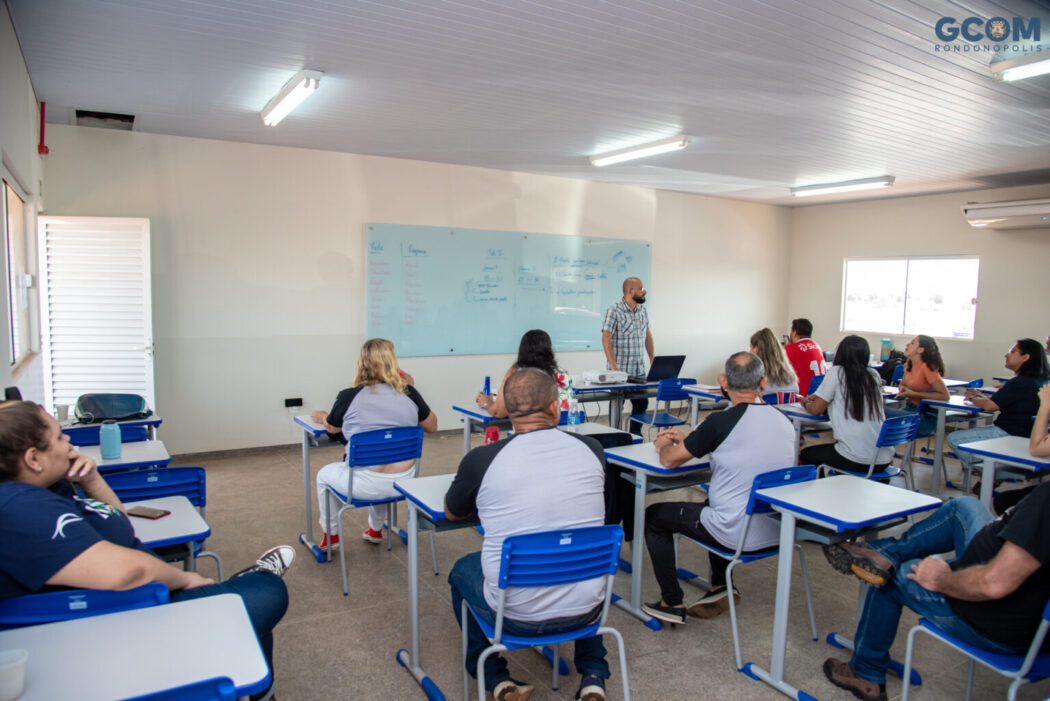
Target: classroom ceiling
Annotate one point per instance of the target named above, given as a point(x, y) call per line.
point(775, 93)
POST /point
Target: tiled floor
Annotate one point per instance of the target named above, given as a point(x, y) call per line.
point(331, 646)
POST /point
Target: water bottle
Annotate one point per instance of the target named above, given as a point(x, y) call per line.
point(574, 412)
point(109, 440)
point(887, 344)
point(488, 386)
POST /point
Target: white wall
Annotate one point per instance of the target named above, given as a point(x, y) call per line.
point(1014, 283)
point(20, 166)
point(258, 286)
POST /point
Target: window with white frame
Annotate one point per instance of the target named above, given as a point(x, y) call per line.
point(908, 296)
point(17, 291)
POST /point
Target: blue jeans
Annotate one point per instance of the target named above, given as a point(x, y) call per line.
point(950, 527)
point(927, 418)
point(969, 435)
point(265, 597)
point(467, 581)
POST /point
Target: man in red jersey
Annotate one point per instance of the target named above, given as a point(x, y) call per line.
point(805, 356)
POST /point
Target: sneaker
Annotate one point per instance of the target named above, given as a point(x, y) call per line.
point(276, 560)
point(329, 542)
point(510, 690)
point(671, 614)
point(862, 560)
point(840, 674)
point(714, 603)
point(372, 536)
point(592, 688)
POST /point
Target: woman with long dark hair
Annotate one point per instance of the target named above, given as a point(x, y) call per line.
point(534, 351)
point(851, 395)
point(923, 379)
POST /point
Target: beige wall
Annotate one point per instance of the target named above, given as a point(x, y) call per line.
point(1014, 283)
point(258, 287)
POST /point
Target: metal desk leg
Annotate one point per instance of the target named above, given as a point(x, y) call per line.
point(987, 482)
point(797, 423)
point(694, 410)
point(616, 412)
point(938, 452)
point(634, 606)
point(466, 434)
point(410, 661)
point(307, 536)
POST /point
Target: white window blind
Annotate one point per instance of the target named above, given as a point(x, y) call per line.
point(96, 308)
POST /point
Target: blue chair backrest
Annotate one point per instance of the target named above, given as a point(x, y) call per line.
point(777, 478)
point(559, 557)
point(89, 436)
point(189, 482)
point(975, 384)
point(34, 609)
point(780, 398)
point(670, 390)
point(384, 445)
point(217, 689)
point(898, 431)
point(814, 382)
point(898, 374)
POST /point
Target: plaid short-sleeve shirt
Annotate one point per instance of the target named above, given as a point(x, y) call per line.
point(628, 335)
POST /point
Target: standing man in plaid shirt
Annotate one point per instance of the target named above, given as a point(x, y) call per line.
point(625, 332)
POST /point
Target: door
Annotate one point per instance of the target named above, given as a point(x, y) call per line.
point(95, 317)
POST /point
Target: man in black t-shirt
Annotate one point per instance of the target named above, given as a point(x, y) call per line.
point(991, 595)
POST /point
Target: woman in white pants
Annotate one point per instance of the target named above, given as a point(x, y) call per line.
point(382, 397)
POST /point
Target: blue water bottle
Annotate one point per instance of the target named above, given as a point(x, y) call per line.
point(109, 440)
point(488, 386)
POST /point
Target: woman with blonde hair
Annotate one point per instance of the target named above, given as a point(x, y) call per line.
point(380, 398)
point(780, 376)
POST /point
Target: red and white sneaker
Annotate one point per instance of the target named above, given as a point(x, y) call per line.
point(329, 542)
point(374, 537)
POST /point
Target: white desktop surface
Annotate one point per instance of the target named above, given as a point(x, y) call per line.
point(1007, 448)
point(589, 428)
point(645, 456)
point(140, 453)
point(428, 493)
point(131, 653)
point(184, 524)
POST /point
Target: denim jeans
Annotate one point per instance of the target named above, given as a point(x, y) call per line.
point(265, 597)
point(969, 435)
point(951, 527)
point(927, 418)
point(467, 582)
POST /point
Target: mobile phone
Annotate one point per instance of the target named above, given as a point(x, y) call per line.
point(147, 512)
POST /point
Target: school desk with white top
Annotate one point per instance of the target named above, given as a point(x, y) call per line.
point(183, 525)
point(74, 430)
point(475, 416)
point(1007, 450)
point(957, 404)
point(616, 393)
point(643, 460)
point(841, 505)
point(698, 393)
point(799, 416)
point(133, 653)
point(132, 455)
point(311, 432)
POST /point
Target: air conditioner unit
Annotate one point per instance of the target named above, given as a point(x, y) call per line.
point(1020, 214)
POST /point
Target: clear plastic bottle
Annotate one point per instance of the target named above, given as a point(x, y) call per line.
point(574, 411)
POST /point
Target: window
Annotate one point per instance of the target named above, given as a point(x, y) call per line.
point(17, 290)
point(932, 296)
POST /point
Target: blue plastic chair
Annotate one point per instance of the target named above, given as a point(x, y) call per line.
point(1023, 669)
point(773, 478)
point(898, 375)
point(670, 390)
point(780, 398)
point(814, 382)
point(217, 689)
point(899, 430)
point(367, 449)
point(547, 559)
point(34, 609)
point(157, 482)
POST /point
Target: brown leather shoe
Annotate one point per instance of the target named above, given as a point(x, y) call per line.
point(862, 560)
point(840, 674)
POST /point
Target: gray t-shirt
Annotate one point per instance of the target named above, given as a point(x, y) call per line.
point(854, 440)
point(366, 408)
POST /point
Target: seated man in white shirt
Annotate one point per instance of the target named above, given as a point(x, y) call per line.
point(539, 480)
point(743, 441)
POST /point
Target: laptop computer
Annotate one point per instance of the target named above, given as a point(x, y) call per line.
point(663, 367)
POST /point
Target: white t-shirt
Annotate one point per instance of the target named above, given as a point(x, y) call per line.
point(854, 440)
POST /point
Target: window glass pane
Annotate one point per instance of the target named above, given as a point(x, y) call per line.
point(942, 297)
point(874, 295)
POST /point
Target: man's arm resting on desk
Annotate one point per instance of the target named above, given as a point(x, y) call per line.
point(670, 444)
point(992, 580)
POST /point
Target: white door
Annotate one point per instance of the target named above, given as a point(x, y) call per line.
point(95, 316)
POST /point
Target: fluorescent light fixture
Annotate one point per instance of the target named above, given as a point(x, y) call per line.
point(300, 87)
point(629, 154)
point(845, 186)
point(1026, 66)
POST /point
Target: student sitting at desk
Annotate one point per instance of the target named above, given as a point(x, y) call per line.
point(991, 595)
point(804, 354)
point(380, 398)
point(52, 538)
point(780, 377)
point(534, 351)
point(851, 395)
point(743, 441)
point(923, 379)
point(538, 480)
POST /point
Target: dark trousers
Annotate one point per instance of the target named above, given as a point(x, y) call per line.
point(825, 454)
point(638, 406)
point(662, 521)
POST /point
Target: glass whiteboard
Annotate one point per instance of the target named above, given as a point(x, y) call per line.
point(440, 291)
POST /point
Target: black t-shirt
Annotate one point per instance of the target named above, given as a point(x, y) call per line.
point(1013, 619)
point(1018, 401)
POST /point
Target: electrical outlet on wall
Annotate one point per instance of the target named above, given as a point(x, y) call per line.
point(294, 405)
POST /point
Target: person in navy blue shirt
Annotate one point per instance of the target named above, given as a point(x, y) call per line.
point(53, 537)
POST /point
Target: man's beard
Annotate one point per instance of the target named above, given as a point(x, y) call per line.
point(639, 300)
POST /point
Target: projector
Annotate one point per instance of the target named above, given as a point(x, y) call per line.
point(604, 377)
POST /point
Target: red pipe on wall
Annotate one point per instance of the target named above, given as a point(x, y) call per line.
point(42, 149)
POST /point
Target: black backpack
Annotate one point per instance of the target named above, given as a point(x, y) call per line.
point(890, 364)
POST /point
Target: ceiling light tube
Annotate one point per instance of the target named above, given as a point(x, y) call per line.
point(1027, 66)
point(846, 186)
point(629, 154)
point(300, 87)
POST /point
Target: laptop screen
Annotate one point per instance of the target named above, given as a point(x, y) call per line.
point(664, 367)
